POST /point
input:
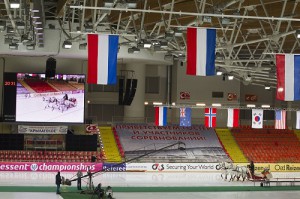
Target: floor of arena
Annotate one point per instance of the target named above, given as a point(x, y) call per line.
point(137, 185)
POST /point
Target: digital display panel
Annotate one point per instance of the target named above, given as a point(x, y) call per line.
point(32, 98)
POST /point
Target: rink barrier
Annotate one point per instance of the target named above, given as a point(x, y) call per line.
point(136, 167)
point(49, 166)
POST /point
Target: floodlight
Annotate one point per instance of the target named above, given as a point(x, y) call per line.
point(20, 25)
point(14, 4)
point(13, 46)
point(230, 77)
point(82, 46)
point(131, 3)
point(108, 3)
point(67, 44)
point(219, 73)
point(2, 25)
point(298, 34)
point(267, 87)
point(133, 50)
point(30, 47)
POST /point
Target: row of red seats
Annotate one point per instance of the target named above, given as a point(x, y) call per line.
point(121, 150)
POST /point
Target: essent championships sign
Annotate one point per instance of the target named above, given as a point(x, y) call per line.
point(26, 129)
point(49, 166)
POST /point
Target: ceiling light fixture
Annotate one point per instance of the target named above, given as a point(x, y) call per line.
point(267, 87)
point(251, 105)
point(30, 47)
point(13, 46)
point(67, 44)
point(82, 46)
point(219, 73)
point(14, 4)
point(2, 25)
point(230, 77)
point(298, 34)
point(108, 3)
point(133, 50)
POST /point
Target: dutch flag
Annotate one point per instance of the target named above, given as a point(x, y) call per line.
point(161, 116)
point(288, 77)
point(102, 59)
point(201, 45)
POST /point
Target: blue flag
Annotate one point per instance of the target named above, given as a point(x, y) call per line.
point(185, 116)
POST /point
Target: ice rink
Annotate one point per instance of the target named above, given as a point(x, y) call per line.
point(143, 179)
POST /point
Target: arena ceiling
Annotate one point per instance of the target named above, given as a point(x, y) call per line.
point(249, 32)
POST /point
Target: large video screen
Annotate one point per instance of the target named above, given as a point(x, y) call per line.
point(33, 98)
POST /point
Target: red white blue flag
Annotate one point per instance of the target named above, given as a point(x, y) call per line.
point(185, 116)
point(102, 59)
point(201, 47)
point(160, 116)
point(280, 119)
point(210, 117)
point(288, 77)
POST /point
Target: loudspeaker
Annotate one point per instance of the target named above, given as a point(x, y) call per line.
point(50, 67)
point(121, 91)
point(131, 85)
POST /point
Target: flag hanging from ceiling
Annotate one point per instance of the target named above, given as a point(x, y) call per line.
point(161, 116)
point(185, 116)
point(210, 117)
point(257, 118)
point(280, 119)
point(102, 59)
point(201, 46)
point(298, 120)
point(288, 77)
point(233, 117)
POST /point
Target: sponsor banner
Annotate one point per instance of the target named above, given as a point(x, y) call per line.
point(250, 98)
point(42, 129)
point(92, 128)
point(49, 166)
point(171, 167)
point(185, 95)
point(280, 167)
point(231, 96)
point(114, 167)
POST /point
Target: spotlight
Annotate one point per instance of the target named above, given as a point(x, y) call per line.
point(230, 77)
point(67, 44)
point(219, 73)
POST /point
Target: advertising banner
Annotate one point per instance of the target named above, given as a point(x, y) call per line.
point(280, 167)
point(49, 166)
point(171, 167)
point(42, 129)
point(114, 167)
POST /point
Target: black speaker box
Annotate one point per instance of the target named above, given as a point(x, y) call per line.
point(121, 91)
point(50, 67)
point(131, 85)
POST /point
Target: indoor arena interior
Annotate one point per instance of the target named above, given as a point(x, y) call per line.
point(144, 99)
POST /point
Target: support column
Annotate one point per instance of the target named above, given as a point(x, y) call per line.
point(136, 111)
